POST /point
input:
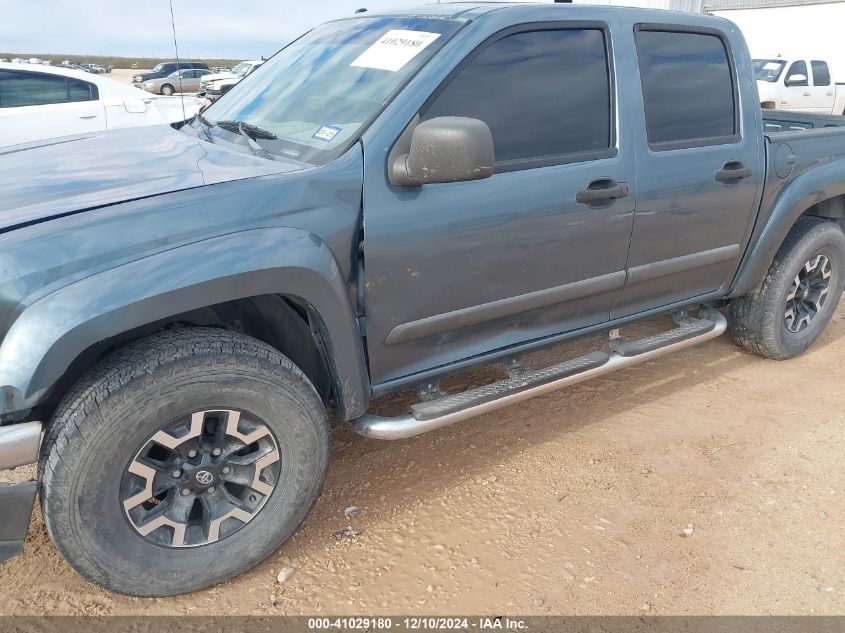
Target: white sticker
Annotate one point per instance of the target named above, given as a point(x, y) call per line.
point(395, 49)
point(772, 66)
point(326, 133)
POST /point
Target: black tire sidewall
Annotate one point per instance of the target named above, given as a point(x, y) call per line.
point(823, 239)
point(96, 536)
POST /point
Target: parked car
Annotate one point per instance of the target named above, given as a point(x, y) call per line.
point(179, 81)
point(215, 85)
point(391, 200)
point(38, 103)
point(93, 68)
point(800, 85)
point(164, 69)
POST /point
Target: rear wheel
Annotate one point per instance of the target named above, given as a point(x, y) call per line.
point(789, 309)
point(167, 90)
point(182, 461)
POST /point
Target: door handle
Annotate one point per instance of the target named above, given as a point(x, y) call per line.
point(602, 192)
point(807, 94)
point(732, 171)
point(87, 116)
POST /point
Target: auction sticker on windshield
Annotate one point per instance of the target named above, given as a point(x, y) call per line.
point(395, 49)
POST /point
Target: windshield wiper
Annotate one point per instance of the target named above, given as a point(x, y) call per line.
point(253, 130)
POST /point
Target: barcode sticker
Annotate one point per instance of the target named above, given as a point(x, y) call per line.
point(394, 49)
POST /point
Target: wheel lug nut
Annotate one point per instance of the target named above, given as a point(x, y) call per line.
point(216, 452)
point(186, 492)
point(176, 474)
point(226, 470)
point(211, 489)
point(192, 453)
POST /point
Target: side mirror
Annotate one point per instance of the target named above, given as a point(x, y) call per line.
point(793, 80)
point(445, 149)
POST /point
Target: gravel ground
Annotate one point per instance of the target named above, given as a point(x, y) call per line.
point(708, 482)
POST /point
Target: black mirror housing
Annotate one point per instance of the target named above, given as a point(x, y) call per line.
point(445, 149)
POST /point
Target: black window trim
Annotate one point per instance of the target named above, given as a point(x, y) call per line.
point(827, 71)
point(711, 141)
point(806, 73)
point(532, 27)
point(95, 93)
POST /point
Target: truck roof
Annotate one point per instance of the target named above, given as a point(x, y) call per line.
point(471, 10)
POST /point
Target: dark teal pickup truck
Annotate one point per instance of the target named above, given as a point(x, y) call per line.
point(389, 200)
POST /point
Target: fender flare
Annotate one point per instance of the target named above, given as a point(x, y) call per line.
point(51, 332)
point(811, 187)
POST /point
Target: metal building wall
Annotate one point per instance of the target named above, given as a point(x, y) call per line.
point(693, 6)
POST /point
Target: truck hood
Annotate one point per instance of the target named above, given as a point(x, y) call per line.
point(48, 179)
point(218, 76)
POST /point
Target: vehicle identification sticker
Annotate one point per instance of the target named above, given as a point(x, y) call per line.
point(326, 133)
point(395, 49)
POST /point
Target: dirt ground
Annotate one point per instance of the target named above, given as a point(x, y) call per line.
point(576, 502)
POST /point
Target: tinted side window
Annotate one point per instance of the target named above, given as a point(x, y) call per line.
point(688, 87)
point(797, 68)
point(78, 90)
point(543, 94)
point(821, 73)
point(24, 89)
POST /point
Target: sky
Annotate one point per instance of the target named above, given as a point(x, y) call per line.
point(226, 29)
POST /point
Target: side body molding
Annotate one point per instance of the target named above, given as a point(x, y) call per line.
point(813, 186)
point(50, 333)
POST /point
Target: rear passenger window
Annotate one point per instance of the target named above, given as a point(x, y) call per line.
point(821, 73)
point(24, 89)
point(544, 94)
point(688, 89)
point(78, 90)
point(21, 88)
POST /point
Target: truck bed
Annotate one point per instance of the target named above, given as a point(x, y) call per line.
point(785, 121)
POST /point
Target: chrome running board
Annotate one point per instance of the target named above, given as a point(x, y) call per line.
point(434, 414)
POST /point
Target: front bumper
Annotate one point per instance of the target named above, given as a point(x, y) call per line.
point(19, 445)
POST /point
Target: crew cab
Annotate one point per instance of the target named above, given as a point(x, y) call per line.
point(801, 85)
point(394, 199)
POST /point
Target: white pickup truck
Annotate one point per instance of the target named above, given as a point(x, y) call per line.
point(801, 85)
point(214, 86)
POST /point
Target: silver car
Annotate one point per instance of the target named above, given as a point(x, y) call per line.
point(185, 80)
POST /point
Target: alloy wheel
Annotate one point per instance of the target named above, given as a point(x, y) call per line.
point(808, 293)
point(201, 478)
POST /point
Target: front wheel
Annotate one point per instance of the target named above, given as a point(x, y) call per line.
point(167, 90)
point(181, 461)
point(789, 309)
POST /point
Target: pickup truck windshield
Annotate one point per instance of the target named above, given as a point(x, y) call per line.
point(318, 94)
point(768, 69)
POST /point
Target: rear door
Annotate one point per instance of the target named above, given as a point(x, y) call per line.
point(461, 269)
point(698, 168)
point(823, 92)
point(36, 106)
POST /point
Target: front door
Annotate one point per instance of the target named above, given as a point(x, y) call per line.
point(798, 94)
point(461, 269)
point(699, 169)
